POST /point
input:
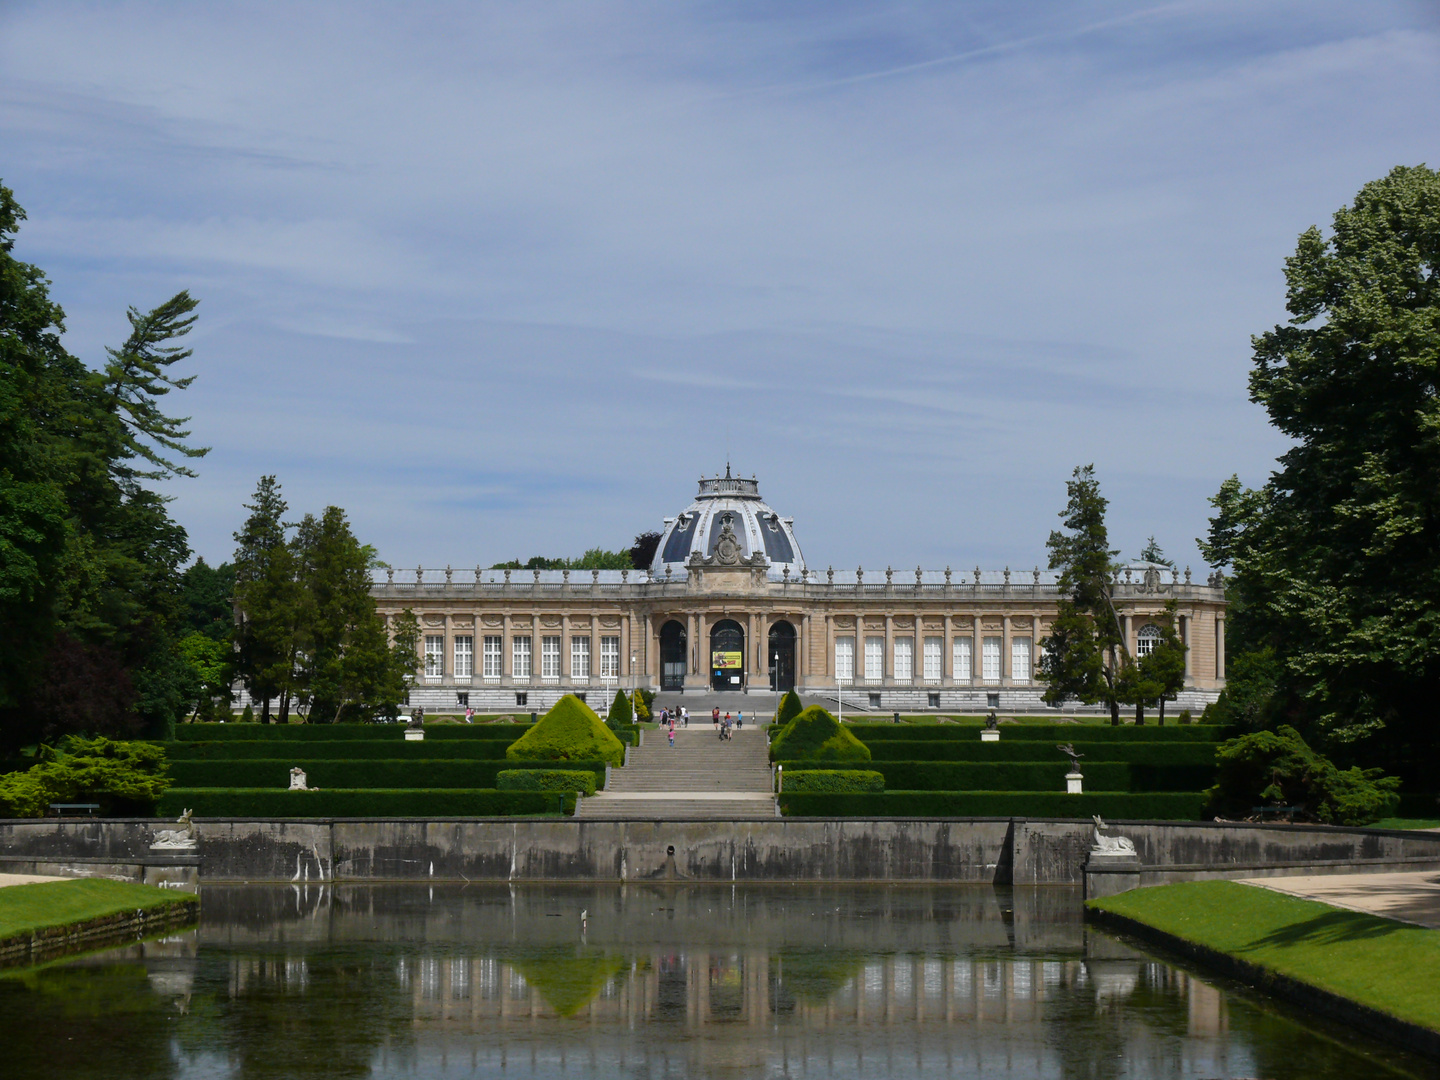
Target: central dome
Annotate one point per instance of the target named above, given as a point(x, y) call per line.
point(757, 528)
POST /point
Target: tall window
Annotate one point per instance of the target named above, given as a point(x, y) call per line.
point(1148, 638)
point(934, 650)
point(520, 657)
point(845, 658)
point(464, 657)
point(1020, 659)
point(580, 658)
point(434, 656)
point(990, 659)
point(874, 658)
point(960, 659)
point(609, 657)
point(904, 659)
point(493, 644)
point(550, 657)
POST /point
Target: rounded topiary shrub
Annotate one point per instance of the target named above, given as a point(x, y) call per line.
point(815, 735)
point(833, 781)
point(571, 731)
point(620, 710)
point(567, 780)
point(790, 708)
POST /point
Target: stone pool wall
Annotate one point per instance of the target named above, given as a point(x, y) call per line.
point(1000, 850)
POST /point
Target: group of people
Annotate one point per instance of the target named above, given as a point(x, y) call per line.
point(725, 727)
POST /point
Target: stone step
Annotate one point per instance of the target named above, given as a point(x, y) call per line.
point(678, 806)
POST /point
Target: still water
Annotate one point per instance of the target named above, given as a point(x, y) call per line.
point(684, 981)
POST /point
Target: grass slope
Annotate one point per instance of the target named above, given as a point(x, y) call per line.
point(1388, 966)
point(24, 909)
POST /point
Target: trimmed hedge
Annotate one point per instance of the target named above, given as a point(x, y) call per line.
point(339, 802)
point(343, 750)
point(790, 707)
point(1060, 733)
point(567, 780)
point(340, 732)
point(1032, 776)
point(621, 712)
point(815, 735)
point(878, 731)
point(833, 781)
point(1119, 805)
point(1028, 750)
point(359, 773)
point(569, 731)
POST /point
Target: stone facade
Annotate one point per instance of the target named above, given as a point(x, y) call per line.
point(730, 616)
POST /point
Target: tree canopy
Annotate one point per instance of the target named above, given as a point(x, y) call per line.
point(1335, 561)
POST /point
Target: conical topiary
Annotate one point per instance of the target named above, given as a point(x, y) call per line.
point(790, 708)
point(815, 735)
point(620, 710)
point(569, 732)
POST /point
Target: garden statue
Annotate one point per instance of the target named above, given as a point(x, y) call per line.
point(176, 839)
point(297, 780)
point(1110, 845)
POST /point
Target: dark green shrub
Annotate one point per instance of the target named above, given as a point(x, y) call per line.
point(1278, 768)
point(1033, 776)
point(274, 773)
point(1150, 753)
point(344, 750)
point(248, 716)
point(569, 780)
point(621, 712)
point(833, 780)
point(815, 735)
point(422, 803)
point(790, 708)
point(1184, 717)
point(572, 731)
point(123, 777)
point(1052, 733)
point(1119, 806)
point(642, 701)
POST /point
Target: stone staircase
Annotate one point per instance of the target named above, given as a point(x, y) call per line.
point(699, 779)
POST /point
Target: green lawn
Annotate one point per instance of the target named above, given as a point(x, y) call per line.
point(1388, 966)
point(1407, 823)
point(27, 908)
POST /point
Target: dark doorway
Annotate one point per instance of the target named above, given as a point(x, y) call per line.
point(782, 657)
point(672, 656)
point(727, 656)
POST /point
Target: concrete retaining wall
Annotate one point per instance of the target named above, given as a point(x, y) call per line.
point(1002, 850)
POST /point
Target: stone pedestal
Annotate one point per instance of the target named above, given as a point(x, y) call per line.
point(417, 735)
point(1109, 873)
point(990, 736)
point(1074, 784)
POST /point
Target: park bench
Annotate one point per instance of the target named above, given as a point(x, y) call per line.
point(1265, 812)
point(59, 808)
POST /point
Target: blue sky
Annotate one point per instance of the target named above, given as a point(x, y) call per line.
point(504, 279)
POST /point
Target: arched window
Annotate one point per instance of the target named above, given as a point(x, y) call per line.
point(1148, 638)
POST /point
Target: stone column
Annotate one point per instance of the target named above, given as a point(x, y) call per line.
point(692, 657)
point(802, 650)
point(567, 669)
point(887, 663)
point(1219, 646)
point(626, 636)
point(753, 646)
point(977, 651)
point(1129, 642)
point(947, 652)
point(1006, 674)
point(829, 668)
point(1034, 647)
point(1183, 628)
point(507, 661)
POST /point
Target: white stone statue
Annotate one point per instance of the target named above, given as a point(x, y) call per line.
point(297, 780)
point(1110, 845)
point(176, 839)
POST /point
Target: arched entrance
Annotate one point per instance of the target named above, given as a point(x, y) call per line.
point(782, 657)
point(727, 656)
point(672, 656)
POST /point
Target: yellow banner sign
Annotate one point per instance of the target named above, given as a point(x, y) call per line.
point(728, 660)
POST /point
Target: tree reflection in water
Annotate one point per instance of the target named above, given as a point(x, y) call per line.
point(691, 980)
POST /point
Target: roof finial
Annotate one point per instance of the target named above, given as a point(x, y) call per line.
point(727, 470)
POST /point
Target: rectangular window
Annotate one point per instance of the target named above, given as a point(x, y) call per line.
point(934, 650)
point(960, 660)
point(874, 701)
point(845, 659)
point(933, 700)
point(580, 658)
point(434, 656)
point(464, 657)
point(462, 698)
point(550, 657)
point(1020, 659)
point(520, 657)
point(904, 659)
point(990, 659)
point(609, 657)
point(493, 645)
point(522, 699)
point(874, 658)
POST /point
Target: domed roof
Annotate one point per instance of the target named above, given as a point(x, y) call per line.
point(736, 502)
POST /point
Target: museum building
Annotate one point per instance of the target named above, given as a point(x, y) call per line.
point(730, 604)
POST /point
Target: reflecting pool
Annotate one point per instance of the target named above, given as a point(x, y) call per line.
point(683, 981)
